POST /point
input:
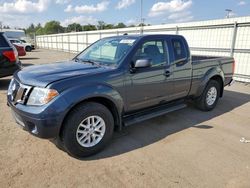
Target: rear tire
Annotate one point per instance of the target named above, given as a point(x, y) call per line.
point(28, 49)
point(87, 129)
point(209, 98)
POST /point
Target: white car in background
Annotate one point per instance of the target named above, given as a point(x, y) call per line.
point(30, 41)
point(27, 46)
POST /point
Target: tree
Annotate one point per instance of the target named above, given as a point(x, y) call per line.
point(142, 24)
point(6, 27)
point(100, 25)
point(53, 27)
point(120, 25)
point(74, 27)
point(40, 31)
point(132, 25)
point(30, 30)
point(89, 27)
point(108, 26)
point(38, 26)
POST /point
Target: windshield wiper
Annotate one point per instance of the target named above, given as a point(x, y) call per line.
point(89, 61)
point(76, 59)
point(86, 61)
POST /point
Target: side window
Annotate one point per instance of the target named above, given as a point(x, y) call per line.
point(3, 42)
point(179, 49)
point(153, 50)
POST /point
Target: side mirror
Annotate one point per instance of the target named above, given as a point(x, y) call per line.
point(142, 63)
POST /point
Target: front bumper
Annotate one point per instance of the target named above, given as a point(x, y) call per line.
point(41, 121)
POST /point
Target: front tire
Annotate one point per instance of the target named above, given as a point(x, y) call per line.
point(209, 98)
point(88, 128)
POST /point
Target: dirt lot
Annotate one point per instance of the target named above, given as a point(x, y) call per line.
point(187, 148)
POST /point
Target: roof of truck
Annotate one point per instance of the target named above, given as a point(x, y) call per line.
point(141, 36)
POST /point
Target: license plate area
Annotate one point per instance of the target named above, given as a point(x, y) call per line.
point(17, 119)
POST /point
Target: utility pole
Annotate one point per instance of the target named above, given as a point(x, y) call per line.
point(1, 26)
point(228, 12)
point(142, 19)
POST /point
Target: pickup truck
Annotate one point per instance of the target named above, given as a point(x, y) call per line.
point(115, 82)
point(9, 61)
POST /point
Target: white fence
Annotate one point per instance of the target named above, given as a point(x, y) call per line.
point(224, 37)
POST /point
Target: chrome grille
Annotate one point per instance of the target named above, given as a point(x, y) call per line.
point(18, 92)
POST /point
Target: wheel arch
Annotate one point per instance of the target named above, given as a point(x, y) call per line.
point(214, 73)
point(101, 100)
point(219, 79)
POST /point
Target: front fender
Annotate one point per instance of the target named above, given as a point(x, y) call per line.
point(215, 71)
point(80, 93)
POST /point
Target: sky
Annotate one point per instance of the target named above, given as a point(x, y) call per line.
point(21, 13)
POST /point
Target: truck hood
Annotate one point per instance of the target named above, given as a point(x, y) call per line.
point(42, 75)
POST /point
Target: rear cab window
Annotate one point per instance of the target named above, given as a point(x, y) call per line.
point(180, 52)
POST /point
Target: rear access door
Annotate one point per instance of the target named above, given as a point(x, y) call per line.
point(181, 66)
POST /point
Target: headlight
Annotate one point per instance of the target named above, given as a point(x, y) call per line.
point(41, 96)
point(10, 88)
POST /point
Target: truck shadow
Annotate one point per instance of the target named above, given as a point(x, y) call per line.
point(149, 132)
point(27, 64)
point(29, 58)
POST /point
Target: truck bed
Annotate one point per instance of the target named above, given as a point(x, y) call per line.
point(203, 64)
point(203, 57)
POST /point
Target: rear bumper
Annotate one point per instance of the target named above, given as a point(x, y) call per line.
point(22, 53)
point(231, 82)
point(228, 81)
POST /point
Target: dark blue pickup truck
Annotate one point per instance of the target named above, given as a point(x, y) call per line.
point(115, 82)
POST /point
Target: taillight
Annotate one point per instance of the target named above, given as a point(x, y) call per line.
point(233, 66)
point(10, 54)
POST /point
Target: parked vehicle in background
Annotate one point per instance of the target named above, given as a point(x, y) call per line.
point(25, 42)
point(115, 82)
point(9, 61)
point(20, 49)
point(14, 33)
point(27, 46)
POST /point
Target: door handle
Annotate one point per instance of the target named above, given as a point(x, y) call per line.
point(167, 73)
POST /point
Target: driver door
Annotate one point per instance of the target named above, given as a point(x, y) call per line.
point(149, 86)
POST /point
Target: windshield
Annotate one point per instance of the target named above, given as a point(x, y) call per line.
point(107, 51)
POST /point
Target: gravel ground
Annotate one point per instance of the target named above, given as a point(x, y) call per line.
point(186, 148)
